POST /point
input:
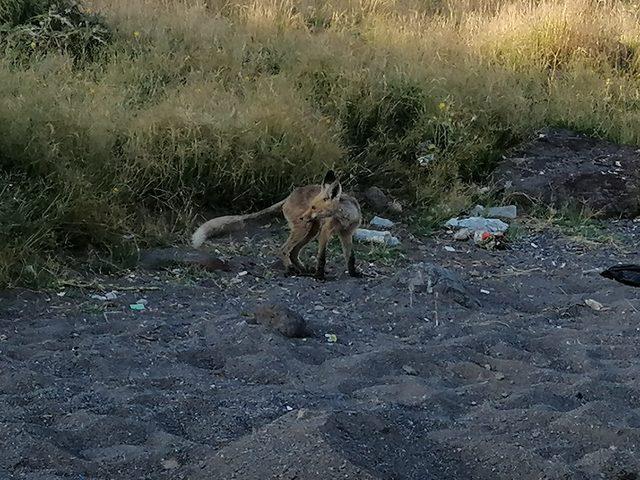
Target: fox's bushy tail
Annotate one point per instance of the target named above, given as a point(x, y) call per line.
point(230, 223)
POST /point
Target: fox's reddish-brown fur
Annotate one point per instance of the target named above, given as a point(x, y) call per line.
point(314, 211)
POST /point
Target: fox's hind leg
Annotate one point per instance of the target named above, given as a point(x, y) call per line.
point(298, 238)
point(346, 239)
point(323, 240)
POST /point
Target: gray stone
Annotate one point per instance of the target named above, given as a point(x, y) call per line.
point(280, 318)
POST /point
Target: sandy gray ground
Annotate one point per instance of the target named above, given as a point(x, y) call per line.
point(530, 384)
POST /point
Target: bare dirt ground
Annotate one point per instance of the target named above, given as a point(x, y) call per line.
point(525, 381)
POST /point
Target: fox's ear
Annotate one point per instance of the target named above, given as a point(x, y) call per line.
point(336, 190)
point(329, 178)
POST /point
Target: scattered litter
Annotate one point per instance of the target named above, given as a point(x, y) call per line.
point(137, 307)
point(142, 301)
point(409, 370)
point(243, 273)
point(449, 249)
point(593, 304)
point(61, 294)
point(381, 222)
point(492, 225)
point(489, 240)
point(534, 245)
point(463, 234)
point(107, 296)
point(374, 236)
point(331, 337)
point(426, 160)
point(288, 408)
point(486, 292)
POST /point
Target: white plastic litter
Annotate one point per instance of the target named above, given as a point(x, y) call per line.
point(375, 236)
point(381, 222)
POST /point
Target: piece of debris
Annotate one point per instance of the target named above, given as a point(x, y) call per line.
point(449, 249)
point(485, 292)
point(626, 274)
point(98, 297)
point(138, 307)
point(376, 236)
point(169, 464)
point(381, 222)
point(492, 225)
point(463, 234)
point(111, 295)
point(409, 370)
point(331, 337)
point(280, 318)
point(488, 240)
point(593, 304)
point(426, 160)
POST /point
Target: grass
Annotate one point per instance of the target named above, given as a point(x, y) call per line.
point(121, 120)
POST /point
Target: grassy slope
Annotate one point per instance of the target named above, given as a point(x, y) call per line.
point(227, 104)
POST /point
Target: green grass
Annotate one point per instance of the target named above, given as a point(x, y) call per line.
point(123, 120)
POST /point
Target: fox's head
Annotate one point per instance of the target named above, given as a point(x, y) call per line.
point(327, 201)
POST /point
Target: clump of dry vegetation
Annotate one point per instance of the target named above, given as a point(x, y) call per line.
point(119, 119)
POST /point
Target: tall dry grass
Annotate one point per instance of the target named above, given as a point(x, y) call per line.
point(225, 104)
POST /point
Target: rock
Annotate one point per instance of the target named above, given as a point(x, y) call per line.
point(166, 258)
point(508, 212)
point(379, 202)
point(282, 319)
point(477, 211)
point(492, 225)
point(428, 277)
point(381, 222)
point(376, 199)
point(563, 168)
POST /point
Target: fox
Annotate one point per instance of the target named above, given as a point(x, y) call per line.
point(314, 211)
